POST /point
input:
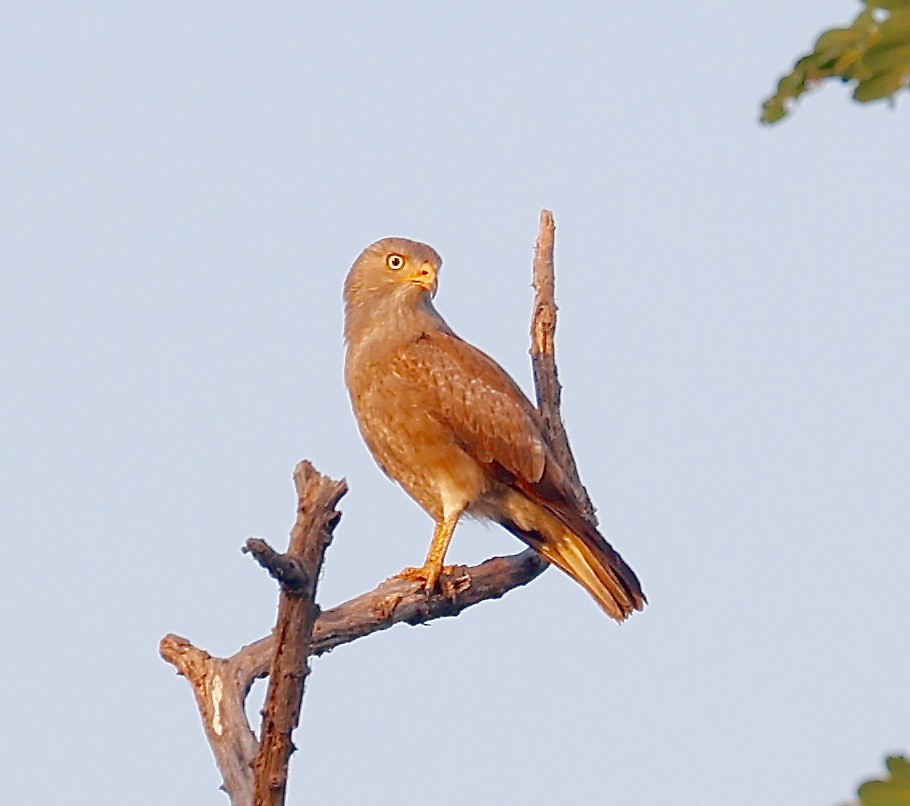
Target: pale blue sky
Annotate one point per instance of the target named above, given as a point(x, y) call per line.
point(184, 186)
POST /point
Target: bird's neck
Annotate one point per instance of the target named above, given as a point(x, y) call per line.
point(386, 322)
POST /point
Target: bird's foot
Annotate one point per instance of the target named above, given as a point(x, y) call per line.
point(453, 577)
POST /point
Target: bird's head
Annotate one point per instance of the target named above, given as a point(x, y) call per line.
point(391, 277)
point(393, 264)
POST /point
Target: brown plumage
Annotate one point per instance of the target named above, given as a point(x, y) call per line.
point(454, 430)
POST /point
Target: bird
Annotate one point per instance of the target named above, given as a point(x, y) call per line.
point(454, 430)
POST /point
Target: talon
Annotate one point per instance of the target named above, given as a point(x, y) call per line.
point(384, 608)
point(457, 577)
point(427, 574)
point(463, 581)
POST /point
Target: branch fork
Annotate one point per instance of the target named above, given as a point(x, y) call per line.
point(283, 568)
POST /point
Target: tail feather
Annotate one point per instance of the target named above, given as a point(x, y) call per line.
point(591, 561)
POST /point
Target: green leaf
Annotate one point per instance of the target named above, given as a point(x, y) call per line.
point(892, 791)
point(883, 58)
point(773, 111)
point(872, 53)
point(896, 29)
point(881, 86)
point(837, 39)
point(887, 4)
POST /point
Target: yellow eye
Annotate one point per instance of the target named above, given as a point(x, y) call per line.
point(394, 262)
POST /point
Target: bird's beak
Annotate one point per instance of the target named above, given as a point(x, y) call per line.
point(425, 277)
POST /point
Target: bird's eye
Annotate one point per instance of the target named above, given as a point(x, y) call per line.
point(394, 262)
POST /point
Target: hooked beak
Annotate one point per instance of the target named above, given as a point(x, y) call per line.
point(425, 277)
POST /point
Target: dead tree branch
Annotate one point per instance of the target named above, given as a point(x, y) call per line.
point(282, 567)
point(297, 612)
point(255, 774)
point(220, 686)
point(543, 360)
point(398, 601)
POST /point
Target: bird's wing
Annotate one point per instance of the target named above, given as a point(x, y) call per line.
point(470, 393)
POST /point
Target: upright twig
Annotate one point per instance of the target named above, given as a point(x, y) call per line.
point(222, 685)
point(297, 613)
point(543, 361)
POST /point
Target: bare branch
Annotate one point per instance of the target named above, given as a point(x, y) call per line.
point(282, 567)
point(395, 601)
point(543, 360)
point(317, 496)
point(221, 687)
point(398, 601)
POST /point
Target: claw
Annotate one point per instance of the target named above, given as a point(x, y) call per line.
point(425, 574)
point(430, 575)
point(460, 580)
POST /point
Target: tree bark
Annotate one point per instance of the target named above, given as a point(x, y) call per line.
point(543, 361)
point(220, 686)
point(298, 571)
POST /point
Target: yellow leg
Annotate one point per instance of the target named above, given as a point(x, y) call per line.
point(432, 567)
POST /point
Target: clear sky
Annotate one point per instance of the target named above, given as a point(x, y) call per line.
point(183, 187)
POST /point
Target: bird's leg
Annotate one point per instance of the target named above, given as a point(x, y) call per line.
point(432, 566)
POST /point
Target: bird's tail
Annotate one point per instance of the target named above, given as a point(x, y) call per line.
point(586, 557)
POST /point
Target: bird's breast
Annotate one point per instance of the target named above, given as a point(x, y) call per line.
point(410, 442)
